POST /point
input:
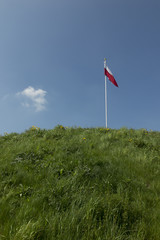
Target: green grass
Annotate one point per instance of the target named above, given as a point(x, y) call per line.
point(80, 184)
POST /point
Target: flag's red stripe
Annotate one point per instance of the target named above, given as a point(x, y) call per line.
point(110, 77)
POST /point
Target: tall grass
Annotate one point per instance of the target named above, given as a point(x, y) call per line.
point(75, 183)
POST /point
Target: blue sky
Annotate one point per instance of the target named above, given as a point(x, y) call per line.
point(51, 63)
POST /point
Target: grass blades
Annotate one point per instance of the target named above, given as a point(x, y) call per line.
point(75, 183)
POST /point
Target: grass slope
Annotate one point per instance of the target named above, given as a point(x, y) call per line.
point(74, 183)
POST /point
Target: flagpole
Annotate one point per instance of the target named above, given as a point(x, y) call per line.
point(105, 92)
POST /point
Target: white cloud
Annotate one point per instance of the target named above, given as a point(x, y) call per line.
point(34, 98)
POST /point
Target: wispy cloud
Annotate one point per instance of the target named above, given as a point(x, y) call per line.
point(33, 98)
point(5, 97)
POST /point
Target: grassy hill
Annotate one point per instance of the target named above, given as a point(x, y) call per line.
point(80, 184)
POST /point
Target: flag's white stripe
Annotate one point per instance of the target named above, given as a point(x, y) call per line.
point(109, 70)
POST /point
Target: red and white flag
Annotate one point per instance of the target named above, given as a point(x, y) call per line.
point(109, 74)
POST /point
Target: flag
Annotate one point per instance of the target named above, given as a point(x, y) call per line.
point(109, 74)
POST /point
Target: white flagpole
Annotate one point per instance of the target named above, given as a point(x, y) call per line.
point(105, 93)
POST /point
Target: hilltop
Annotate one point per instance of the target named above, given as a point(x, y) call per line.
point(75, 183)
